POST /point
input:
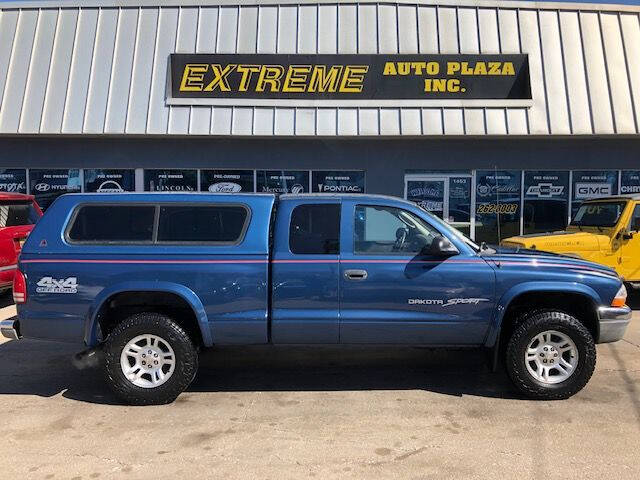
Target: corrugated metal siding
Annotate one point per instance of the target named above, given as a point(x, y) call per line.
point(103, 70)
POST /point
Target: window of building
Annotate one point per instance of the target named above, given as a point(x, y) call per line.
point(47, 185)
point(498, 205)
point(13, 180)
point(282, 181)
point(315, 229)
point(113, 223)
point(588, 184)
point(390, 231)
point(109, 180)
point(205, 224)
point(546, 201)
point(337, 181)
point(171, 180)
point(227, 181)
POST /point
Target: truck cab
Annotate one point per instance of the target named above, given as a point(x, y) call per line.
point(147, 280)
point(603, 230)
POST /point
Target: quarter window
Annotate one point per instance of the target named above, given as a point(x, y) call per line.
point(315, 229)
point(206, 224)
point(390, 231)
point(113, 223)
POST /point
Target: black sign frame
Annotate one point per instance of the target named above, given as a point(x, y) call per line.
point(204, 78)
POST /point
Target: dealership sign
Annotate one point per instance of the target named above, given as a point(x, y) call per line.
point(13, 180)
point(250, 79)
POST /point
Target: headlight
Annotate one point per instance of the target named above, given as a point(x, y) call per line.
point(620, 299)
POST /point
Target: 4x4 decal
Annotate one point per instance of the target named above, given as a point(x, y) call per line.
point(54, 285)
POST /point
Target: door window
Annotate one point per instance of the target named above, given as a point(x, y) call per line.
point(390, 231)
point(634, 226)
point(315, 229)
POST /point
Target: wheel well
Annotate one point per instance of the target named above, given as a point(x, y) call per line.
point(121, 305)
point(575, 304)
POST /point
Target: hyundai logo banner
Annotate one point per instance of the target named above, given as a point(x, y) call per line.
point(47, 185)
point(214, 77)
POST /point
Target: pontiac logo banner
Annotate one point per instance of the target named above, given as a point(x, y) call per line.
point(392, 79)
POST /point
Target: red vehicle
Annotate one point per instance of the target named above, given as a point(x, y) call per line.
point(18, 215)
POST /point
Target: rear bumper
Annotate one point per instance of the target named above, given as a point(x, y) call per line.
point(10, 328)
point(613, 323)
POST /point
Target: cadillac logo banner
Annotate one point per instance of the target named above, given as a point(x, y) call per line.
point(392, 79)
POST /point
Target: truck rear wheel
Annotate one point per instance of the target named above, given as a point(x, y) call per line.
point(149, 359)
point(550, 355)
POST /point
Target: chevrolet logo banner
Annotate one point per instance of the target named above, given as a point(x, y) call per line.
point(280, 79)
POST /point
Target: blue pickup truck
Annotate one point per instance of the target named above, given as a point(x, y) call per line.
point(149, 279)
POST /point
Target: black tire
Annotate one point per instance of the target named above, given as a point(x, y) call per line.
point(186, 359)
point(535, 323)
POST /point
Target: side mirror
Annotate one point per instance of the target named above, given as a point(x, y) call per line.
point(627, 235)
point(440, 247)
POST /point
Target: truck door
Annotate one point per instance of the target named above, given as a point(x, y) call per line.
point(305, 271)
point(629, 248)
point(391, 294)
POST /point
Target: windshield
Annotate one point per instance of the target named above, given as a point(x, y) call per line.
point(457, 233)
point(13, 214)
point(598, 214)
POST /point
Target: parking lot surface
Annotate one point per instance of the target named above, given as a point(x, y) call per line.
point(295, 413)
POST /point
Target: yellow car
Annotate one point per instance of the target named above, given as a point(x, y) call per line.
point(604, 230)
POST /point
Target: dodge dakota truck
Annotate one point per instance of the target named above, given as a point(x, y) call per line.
point(149, 279)
point(603, 230)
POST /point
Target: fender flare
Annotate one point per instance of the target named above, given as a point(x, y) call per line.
point(522, 288)
point(91, 330)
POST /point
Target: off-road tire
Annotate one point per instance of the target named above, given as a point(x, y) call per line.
point(186, 359)
point(530, 325)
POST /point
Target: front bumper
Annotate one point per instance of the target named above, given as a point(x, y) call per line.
point(613, 323)
point(10, 328)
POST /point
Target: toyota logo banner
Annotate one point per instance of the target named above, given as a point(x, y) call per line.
point(13, 180)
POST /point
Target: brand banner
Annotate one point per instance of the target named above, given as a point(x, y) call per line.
point(13, 180)
point(283, 181)
point(47, 185)
point(226, 181)
point(587, 184)
point(230, 78)
point(337, 181)
point(109, 180)
point(171, 180)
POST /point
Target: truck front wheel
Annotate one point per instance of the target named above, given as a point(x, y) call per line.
point(149, 359)
point(550, 355)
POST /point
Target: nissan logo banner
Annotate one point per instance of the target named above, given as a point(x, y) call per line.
point(226, 78)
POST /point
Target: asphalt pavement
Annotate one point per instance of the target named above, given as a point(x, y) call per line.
point(295, 413)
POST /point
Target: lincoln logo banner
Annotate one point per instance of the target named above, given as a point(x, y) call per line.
point(251, 79)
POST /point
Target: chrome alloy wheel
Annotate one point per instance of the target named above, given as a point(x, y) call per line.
point(551, 357)
point(147, 361)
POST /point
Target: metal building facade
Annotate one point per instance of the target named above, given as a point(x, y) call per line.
point(100, 67)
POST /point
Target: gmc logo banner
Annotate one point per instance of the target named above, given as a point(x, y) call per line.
point(253, 79)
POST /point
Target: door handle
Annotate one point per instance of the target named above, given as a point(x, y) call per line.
point(355, 274)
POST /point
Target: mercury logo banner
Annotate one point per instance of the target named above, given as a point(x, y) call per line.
point(348, 77)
